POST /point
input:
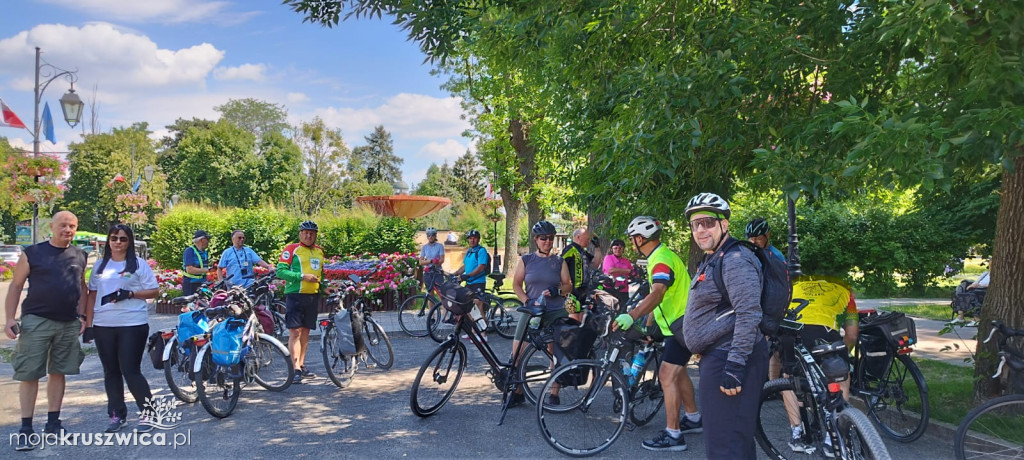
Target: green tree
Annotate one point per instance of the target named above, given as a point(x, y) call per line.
point(377, 158)
point(257, 117)
point(218, 166)
point(324, 154)
point(167, 155)
point(468, 174)
point(440, 181)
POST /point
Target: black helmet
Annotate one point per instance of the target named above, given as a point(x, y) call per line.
point(543, 227)
point(757, 227)
point(472, 233)
point(309, 225)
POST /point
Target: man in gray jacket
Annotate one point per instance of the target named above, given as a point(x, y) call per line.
point(723, 328)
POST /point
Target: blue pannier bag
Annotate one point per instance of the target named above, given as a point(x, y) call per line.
point(190, 325)
point(226, 346)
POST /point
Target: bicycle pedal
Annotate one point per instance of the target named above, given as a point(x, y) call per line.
point(630, 426)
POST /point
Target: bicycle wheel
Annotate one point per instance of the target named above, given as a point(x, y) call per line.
point(647, 396)
point(590, 416)
point(430, 391)
point(412, 314)
point(774, 431)
point(503, 317)
point(272, 365)
point(340, 368)
point(440, 323)
point(378, 345)
point(277, 311)
point(899, 406)
point(535, 365)
point(218, 391)
point(860, 439)
point(178, 371)
point(992, 430)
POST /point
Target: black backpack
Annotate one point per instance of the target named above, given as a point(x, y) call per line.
point(776, 290)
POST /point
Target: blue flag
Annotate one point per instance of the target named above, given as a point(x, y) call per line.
point(138, 183)
point(48, 124)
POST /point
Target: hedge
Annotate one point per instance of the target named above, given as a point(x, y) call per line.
point(268, 230)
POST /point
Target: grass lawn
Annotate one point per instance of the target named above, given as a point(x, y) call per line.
point(938, 312)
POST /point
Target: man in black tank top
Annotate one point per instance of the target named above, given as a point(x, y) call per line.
point(51, 321)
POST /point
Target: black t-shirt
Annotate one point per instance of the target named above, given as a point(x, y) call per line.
point(578, 260)
point(54, 281)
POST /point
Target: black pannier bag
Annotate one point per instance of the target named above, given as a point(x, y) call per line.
point(572, 342)
point(457, 299)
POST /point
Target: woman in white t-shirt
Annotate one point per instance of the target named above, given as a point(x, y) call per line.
point(117, 317)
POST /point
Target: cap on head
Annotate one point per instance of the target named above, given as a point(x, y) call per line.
point(709, 202)
point(200, 234)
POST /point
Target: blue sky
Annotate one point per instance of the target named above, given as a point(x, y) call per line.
point(159, 60)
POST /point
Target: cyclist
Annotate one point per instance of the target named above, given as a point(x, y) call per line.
point(239, 260)
point(759, 233)
point(580, 261)
point(431, 258)
point(724, 330)
point(540, 278)
point(618, 266)
point(301, 266)
point(830, 306)
point(669, 282)
point(474, 270)
point(195, 263)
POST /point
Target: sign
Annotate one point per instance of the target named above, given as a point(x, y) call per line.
point(23, 235)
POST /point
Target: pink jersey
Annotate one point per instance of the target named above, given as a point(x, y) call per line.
point(610, 262)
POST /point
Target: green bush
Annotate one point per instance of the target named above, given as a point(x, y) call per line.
point(175, 229)
point(392, 234)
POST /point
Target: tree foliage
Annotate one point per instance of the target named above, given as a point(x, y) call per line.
point(324, 154)
point(255, 116)
point(377, 159)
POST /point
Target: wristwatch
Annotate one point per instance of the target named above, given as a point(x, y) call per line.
point(81, 317)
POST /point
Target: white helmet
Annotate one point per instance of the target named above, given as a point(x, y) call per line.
point(708, 202)
point(645, 226)
point(431, 231)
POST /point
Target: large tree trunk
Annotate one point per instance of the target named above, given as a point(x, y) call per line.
point(525, 157)
point(512, 209)
point(1006, 289)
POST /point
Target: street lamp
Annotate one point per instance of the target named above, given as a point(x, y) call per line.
point(70, 104)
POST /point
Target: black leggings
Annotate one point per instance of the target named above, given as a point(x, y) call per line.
point(730, 421)
point(121, 350)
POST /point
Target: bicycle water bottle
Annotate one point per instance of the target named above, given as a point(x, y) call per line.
point(638, 364)
point(535, 321)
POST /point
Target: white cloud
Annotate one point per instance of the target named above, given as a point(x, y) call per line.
point(162, 11)
point(45, 147)
point(108, 56)
point(437, 152)
point(297, 98)
point(412, 116)
point(254, 72)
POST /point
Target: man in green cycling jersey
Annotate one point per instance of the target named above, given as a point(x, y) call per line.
point(301, 266)
point(670, 283)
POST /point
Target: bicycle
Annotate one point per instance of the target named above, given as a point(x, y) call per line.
point(412, 314)
point(828, 421)
point(995, 429)
point(219, 386)
point(899, 407)
point(441, 322)
point(372, 341)
point(590, 415)
point(179, 351)
point(263, 295)
point(441, 373)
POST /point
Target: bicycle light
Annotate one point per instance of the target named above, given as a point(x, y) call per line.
point(834, 387)
point(200, 341)
point(324, 322)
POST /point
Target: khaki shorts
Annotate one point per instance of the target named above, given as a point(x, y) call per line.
point(45, 347)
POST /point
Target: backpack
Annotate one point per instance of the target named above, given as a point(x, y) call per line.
point(776, 289)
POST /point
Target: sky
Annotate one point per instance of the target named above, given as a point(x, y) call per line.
point(160, 60)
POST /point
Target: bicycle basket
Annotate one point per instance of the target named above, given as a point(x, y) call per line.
point(895, 327)
point(457, 299)
point(191, 324)
point(226, 345)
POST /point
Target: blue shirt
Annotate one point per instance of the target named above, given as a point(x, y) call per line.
point(777, 253)
point(239, 264)
point(189, 260)
point(475, 257)
point(431, 252)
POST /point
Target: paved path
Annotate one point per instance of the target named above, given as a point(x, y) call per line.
point(954, 347)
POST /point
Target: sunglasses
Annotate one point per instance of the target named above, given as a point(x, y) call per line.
point(123, 239)
point(706, 222)
point(546, 237)
point(239, 237)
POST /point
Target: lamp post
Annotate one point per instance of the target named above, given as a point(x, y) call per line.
point(70, 104)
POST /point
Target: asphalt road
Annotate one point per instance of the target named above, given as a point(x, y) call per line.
point(369, 419)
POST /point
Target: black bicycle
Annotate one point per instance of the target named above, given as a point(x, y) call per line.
point(412, 314)
point(370, 339)
point(995, 429)
point(830, 427)
point(500, 314)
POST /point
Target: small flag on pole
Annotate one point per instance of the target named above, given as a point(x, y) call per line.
point(138, 183)
point(8, 118)
point(47, 127)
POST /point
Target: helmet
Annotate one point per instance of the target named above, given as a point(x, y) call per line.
point(431, 231)
point(757, 227)
point(645, 226)
point(473, 233)
point(309, 225)
point(708, 202)
point(543, 227)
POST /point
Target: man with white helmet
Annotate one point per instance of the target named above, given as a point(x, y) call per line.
point(431, 258)
point(669, 281)
point(723, 327)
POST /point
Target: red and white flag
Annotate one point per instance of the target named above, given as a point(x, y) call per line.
point(8, 118)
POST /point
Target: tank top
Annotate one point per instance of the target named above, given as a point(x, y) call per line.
point(541, 274)
point(54, 281)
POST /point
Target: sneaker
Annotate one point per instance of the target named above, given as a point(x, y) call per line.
point(306, 373)
point(516, 399)
point(53, 428)
point(23, 444)
point(116, 423)
point(144, 425)
point(828, 451)
point(552, 400)
point(971, 324)
point(797, 444)
point(297, 377)
point(689, 426)
point(664, 441)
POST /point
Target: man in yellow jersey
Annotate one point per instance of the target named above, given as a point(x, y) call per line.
point(666, 303)
point(301, 266)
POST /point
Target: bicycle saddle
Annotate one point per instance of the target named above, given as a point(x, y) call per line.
point(496, 276)
point(828, 348)
point(532, 309)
